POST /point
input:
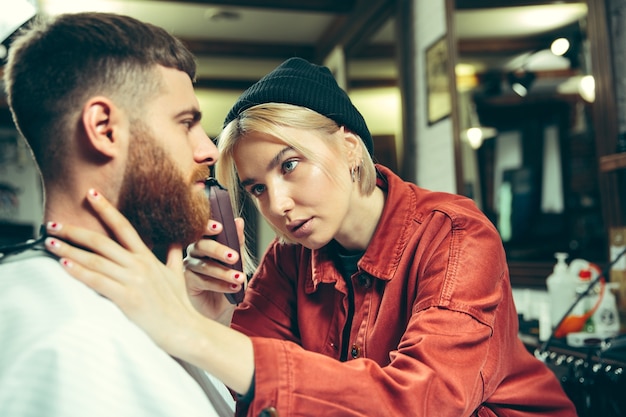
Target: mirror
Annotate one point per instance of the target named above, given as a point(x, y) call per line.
point(524, 96)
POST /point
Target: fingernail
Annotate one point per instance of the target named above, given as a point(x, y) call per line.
point(214, 226)
point(93, 194)
point(67, 263)
point(53, 226)
point(229, 255)
point(53, 243)
point(234, 286)
point(237, 276)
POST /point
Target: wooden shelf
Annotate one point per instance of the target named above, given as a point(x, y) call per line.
point(529, 274)
point(613, 162)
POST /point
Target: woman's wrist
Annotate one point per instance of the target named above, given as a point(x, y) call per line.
point(226, 316)
point(223, 352)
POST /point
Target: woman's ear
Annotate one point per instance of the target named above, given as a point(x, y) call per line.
point(100, 119)
point(353, 145)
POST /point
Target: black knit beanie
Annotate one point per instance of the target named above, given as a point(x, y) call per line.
point(298, 82)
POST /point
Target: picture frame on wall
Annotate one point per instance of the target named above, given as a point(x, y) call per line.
point(438, 98)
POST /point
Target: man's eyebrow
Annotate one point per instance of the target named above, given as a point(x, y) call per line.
point(271, 165)
point(195, 113)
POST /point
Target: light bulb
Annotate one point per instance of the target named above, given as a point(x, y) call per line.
point(474, 137)
point(587, 88)
point(560, 46)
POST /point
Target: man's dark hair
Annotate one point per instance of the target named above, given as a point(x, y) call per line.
point(55, 65)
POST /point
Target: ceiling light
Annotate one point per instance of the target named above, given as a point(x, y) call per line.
point(13, 17)
point(560, 46)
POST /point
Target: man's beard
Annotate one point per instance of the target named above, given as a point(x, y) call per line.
point(156, 199)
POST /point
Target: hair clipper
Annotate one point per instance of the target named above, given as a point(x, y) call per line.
point(222, 211)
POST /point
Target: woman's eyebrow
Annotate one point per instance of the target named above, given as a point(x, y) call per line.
point(271, 165)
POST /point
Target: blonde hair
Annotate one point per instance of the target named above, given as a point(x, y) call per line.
point(268, 118)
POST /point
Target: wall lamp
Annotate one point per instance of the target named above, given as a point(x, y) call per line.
point(569, 47)
point(521, 81)
point(560, 46)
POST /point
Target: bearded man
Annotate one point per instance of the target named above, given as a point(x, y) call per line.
point(103, 101)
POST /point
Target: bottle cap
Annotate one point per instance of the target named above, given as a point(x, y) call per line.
point(584, 275)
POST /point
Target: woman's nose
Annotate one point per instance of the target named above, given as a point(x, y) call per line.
point(280, 202)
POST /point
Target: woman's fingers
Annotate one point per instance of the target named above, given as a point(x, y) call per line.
point(102, 284)
point(207, 295)
point(198, 282)
point(209, 248)
point(208, 267)
point(88, 268)
point(207, 273)
point(122, 249)
point(240, 224)
point(92, 242)
point(118, 225)
point(90, 249)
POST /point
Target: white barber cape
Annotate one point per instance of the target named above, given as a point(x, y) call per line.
point(66, 351)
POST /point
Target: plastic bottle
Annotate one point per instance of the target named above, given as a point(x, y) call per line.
point(584, 305)
point(606, 317)
point(561, 288)
point(577, 265)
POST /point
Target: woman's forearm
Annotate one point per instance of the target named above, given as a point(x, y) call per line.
point(223, 352)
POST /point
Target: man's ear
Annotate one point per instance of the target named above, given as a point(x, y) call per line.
point(101, 123)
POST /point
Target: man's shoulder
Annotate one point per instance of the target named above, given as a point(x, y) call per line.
point(40, 302)
point(55, 328)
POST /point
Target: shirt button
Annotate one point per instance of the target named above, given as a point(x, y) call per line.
point(365, 281)
point(269, 412)
point(355, 351)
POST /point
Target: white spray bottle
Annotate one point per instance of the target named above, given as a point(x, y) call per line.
point(561, 289)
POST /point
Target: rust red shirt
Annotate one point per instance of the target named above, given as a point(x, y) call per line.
point(429, 327)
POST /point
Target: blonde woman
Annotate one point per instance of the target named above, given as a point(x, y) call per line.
point(377, 298)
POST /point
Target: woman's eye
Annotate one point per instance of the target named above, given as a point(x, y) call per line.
point(257, 190)
point(289, 166)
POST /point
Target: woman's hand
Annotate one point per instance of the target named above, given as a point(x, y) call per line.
point(207, 279)
point(126, 271)
point(153, 295)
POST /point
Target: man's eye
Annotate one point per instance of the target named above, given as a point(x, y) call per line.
point(289, 166)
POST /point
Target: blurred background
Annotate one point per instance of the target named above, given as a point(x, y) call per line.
point(490, 99)
point(517, 104)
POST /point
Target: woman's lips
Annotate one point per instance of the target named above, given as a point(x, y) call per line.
point(301, 229)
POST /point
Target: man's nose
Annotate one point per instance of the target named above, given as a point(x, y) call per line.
point(205, 152)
